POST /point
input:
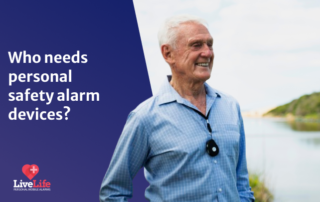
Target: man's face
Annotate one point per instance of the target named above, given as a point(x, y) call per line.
point(193, 55)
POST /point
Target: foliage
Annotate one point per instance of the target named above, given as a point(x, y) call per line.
point(261, 192)
point(307, 106)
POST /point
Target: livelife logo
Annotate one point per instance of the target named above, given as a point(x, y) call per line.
point(35, 185)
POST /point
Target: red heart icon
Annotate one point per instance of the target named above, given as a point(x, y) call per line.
point(30, 170)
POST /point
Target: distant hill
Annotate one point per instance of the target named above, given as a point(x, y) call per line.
point(307, 107)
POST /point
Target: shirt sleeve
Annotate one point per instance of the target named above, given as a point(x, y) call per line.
point(244, 189)
point(129, 156)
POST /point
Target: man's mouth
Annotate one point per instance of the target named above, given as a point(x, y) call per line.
point(203, 64)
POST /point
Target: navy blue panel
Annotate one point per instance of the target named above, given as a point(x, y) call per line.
point(74, 154)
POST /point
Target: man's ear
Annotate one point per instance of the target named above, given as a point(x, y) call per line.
point(167, 53)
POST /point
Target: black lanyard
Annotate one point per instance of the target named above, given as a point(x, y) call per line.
point(211, 146)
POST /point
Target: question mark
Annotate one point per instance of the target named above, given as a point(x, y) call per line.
point(68, 110)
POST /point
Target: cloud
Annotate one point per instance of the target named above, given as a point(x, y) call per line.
point(269, 25)
point(266, 52)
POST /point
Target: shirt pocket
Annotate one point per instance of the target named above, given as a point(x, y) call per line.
point(230, 137)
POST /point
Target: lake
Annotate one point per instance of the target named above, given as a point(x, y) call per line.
point(287, 156)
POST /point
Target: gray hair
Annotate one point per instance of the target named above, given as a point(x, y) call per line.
point(168, 31)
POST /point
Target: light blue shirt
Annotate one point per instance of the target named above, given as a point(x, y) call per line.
point(168, 139)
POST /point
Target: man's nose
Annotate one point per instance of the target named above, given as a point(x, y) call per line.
point(207, 51)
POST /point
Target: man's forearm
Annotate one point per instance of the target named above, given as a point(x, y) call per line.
point(129, 156)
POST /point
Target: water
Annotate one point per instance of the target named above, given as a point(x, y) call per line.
point(287, 157)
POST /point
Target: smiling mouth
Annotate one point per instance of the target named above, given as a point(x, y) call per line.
point(203, 64)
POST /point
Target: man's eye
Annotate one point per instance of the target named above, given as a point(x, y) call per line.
point(197, 45)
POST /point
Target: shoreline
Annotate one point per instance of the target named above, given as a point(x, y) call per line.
point(284, 118)
point(261, 113)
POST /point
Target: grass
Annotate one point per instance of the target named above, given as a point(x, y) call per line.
point(258, 186)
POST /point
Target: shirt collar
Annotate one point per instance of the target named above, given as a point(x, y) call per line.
point(168, 94)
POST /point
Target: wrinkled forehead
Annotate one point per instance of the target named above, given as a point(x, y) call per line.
point(190, 31)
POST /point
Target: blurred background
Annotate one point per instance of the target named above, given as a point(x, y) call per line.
point(267, 56)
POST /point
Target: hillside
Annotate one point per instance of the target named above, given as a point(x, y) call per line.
point(307, 107)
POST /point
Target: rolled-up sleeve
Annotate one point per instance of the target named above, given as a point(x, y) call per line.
point(244, 190)
point(129, 156)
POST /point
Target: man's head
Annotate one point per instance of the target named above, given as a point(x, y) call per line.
point(186, 45)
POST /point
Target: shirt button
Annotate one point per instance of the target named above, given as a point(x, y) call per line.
point(215, 161)
point(220, 190)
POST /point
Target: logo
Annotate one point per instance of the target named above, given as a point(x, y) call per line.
point(30, 171)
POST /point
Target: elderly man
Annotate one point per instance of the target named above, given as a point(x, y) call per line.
point(189, 137)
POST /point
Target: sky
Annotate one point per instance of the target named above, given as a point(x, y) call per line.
point(267, 53)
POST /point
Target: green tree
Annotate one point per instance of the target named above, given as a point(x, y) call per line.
point(307, 106)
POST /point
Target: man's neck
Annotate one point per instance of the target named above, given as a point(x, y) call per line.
point(192, 91)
